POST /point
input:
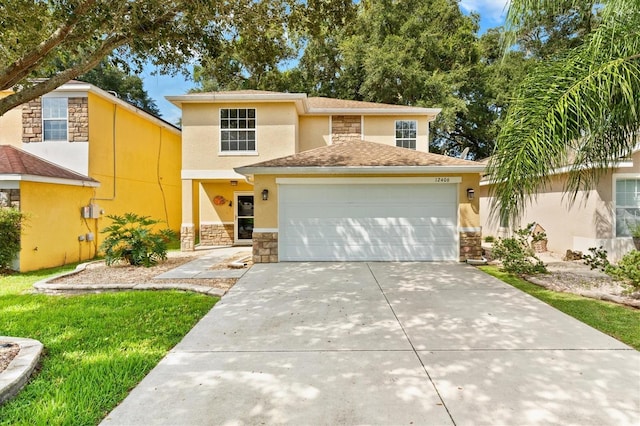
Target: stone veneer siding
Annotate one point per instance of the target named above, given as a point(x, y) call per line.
point(32, 121)
point(346, 128)
point(265, 247)
point(77, 120)
point(470, 245)
point(214, 234)
point(187, 238)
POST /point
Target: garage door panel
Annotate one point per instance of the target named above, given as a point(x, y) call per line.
point(405, 233)
point(368, 222)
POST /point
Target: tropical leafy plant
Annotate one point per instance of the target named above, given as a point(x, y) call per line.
point(627, 270)
point(132, 239)
point(10, 227)
point(516, 254)
point(597, 259)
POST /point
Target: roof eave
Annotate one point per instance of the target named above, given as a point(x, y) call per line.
point(358, 170)
point(47, 179)
point(374, 111)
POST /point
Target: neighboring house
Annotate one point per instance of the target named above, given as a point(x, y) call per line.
point(303, 178)
point(601, 216)
point(131, 159)
point(51, 198)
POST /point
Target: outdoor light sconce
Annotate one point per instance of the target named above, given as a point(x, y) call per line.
point(471, 194)
point(265, 194)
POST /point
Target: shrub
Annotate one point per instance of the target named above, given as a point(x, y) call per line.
point(10, 226)
point(597, 259)
point(130, 238)
point(516, 255)
point(489, 239)
point(627, 270)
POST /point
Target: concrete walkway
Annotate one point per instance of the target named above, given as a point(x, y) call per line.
point(386, 343)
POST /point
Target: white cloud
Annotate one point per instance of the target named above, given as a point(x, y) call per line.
point(492, 11)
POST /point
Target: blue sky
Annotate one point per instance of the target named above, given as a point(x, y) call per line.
point(158, 86)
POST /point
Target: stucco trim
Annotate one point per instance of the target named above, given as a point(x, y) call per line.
point(470, 229)
point(44, 179)
point(385, 170)
point(211, 174)
point(265, 230)
point(369, 180)
point(81, 89)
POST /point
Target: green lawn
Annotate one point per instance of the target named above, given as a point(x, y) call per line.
point(618, 321)
point(97, 347)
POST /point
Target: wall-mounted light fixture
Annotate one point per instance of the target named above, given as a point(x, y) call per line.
point(233, 182)
point(471, 194)
point(265, 194)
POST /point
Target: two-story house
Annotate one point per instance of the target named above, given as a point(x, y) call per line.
point(307, 178)
point(76, 155)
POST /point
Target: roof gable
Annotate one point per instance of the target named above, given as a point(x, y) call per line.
point(14, 161)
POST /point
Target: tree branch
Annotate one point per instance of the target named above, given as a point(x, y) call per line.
point(59, 79)
point(19, 69)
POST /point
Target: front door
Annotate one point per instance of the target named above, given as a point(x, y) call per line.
point(243, 217)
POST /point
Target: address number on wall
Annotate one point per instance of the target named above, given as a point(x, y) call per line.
point(446, 179)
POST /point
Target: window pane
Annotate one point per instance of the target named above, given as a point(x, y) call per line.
point(224, 113)
point(251, 113)
point(233, 113)
point(251, 124)
point(55, 130)
point(251, 145)
point(54, 108)
point(242, 113)
point(225, 146)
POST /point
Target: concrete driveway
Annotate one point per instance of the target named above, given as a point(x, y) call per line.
point(386, 343)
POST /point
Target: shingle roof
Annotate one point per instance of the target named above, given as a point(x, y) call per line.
point(319, 102)
point(364, 154)
point(14, 161)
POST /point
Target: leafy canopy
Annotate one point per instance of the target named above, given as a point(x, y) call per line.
point(40, 36)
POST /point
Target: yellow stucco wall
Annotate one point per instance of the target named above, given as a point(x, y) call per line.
point(11, 125)
point(146, 164)
point(314, 132)
point(211, 213)
point(266, 212)
point(382, 129)
point(276, 135)
point(50, 235)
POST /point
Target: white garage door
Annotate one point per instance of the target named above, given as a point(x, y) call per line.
point(385, 222)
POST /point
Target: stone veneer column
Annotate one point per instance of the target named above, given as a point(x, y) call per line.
point(346, 128)
point(187, 238)
point(265, 247)
point(470, 245)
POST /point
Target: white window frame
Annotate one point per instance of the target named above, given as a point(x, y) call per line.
point(614, 192)
point(66, 118)
point(255, 132)
point(414, 139)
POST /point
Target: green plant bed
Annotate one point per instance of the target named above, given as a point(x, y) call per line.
point(618, 321)
point(97, 348)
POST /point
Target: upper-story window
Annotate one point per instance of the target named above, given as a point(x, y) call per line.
point(406, 133)
point(238, 130)
point(54, 119)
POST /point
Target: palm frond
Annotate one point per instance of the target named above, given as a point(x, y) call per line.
point(581, 111)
